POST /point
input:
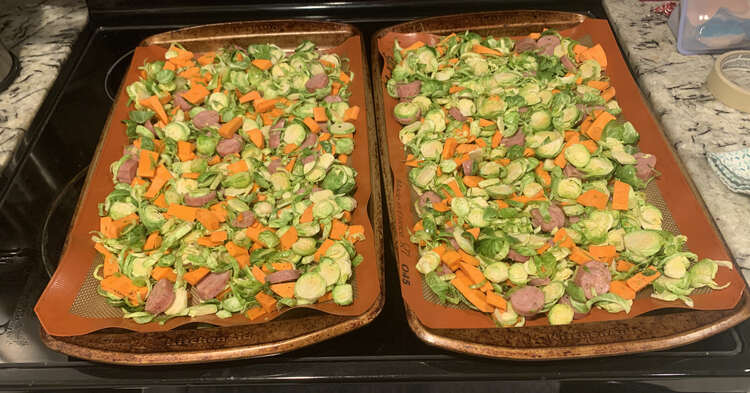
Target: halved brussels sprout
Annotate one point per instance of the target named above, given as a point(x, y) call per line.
point(423, 103)
point(337, 252)
point(342, 294)
point(279, 180)
point(568, 118)
point(553, 292)
point(294, 134)
point(460, 206)
point(307, 228)
point(340, 179)
point(237, 205)
point(496, 272)
point(198, 165)
point(341, 128)
point(643, 243)
point(597, 225)
point(428, 262)
point(184, 186)
point(491, 107)
point(559, 102)
point(346, 202)
point(508, 318)
point(465, 240)
point(590, 69)
point(434, 88)
point(613, 107)
point(622, 157)
point(516, 169)
point(466, 106)
point(177, 130)
point(344, 145)
point(218, 101)
point(615, 238)
point(120, 209)
point(427, 127)
point(448, 166)
point(650, 217)
point(172, 196)
point(137, 91)
point(401, 72)
point(423, 176)
point(671, 289)
point(255, 75)
point(406, 112)
point(206, 144)
point(613, 129)
point(321, 195)
point(629, 134)
point(489, 169)
point(569, 187)
point(238, 180)
point(532, 189)
point(578, 155)
point(702, 274)
point(335, 110)
point(444, 75)
point(269, 239)
point(507, 79)
point(550, 148)
point(431, 150)
point(151, 217)
point(476, 219)
point(598, 166)
point(437, 117)
point(517, 274)
point(478, 64)
point(263, 209)
point(573, 210)
point(530, 93)
point(310, 286)
point(493, 249)
point(304, 246)
point(560, 314)
point(144, 132)
point(510, 121)
point(675, 266)
point(426, 58)
point(499, 191)
point(574, 234)
point(540, 120)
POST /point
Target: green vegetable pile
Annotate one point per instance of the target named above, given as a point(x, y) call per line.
point(235, 186)
point(530, 190)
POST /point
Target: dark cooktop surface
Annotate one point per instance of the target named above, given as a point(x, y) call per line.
point(39, 195)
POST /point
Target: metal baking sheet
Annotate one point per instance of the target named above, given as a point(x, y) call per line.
point(599, 334)
point(199, 342)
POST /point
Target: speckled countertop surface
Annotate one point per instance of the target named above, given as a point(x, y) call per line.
point(693, 120)
point(40, 33)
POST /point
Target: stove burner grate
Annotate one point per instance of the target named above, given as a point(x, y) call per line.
point(57, 223)
point(119, 67)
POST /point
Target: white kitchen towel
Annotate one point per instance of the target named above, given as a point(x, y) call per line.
point(733, 169)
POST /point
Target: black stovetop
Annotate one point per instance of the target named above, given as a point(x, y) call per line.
point(39, 189)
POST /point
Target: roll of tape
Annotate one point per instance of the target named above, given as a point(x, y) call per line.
point(729, 79)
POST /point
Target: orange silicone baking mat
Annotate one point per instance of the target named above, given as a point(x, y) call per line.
point(70, 306)
point(671, 192)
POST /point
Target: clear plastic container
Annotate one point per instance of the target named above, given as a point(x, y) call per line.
point(711, 26)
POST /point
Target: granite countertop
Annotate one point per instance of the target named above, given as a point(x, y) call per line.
point(692, 119)
point(41, 34)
